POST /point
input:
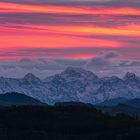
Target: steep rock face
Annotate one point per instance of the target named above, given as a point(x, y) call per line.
point(31, 79)
point(133, 84)
point(112, 87)
point(74, 84)
point(29, 85)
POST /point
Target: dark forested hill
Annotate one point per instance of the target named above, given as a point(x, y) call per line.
point(13, 98)
point(65, 123)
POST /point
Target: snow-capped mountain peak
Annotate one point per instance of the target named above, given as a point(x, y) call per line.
point(129, 76)
point(74, 84)
point(78, 72)
point(132, 78)
point(31, 78)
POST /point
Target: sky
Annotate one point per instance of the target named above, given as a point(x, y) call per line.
point(45, 36)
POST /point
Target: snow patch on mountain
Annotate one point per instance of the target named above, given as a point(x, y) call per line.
point(74, 84)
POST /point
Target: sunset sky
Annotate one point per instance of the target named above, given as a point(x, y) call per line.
point(69, 29)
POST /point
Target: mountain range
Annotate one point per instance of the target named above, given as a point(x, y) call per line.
point(74, 84)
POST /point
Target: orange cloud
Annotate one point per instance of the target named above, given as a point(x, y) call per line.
point(127, 30)
point(11, 7)
point(23, 35)
point(53, 41)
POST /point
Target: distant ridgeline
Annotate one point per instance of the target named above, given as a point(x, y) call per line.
point(74, 84)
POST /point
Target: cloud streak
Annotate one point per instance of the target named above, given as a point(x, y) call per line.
point(107, 63)
point(65, 27)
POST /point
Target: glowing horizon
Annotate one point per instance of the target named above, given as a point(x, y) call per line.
point(25, 27)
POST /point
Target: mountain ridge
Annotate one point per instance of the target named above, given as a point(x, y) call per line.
point(74, 84)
